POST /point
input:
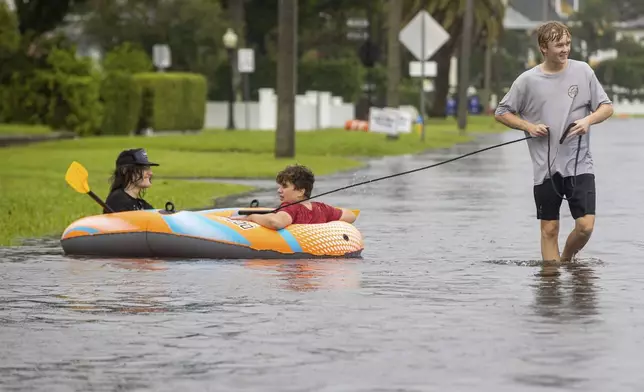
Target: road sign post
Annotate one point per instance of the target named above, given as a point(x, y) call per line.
point(246, 65)
point(161, 57)
point(423, 36)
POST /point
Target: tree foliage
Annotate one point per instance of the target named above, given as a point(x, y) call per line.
point(594, 25)
point(192, 28)
point(626, 9)
point(36, 17)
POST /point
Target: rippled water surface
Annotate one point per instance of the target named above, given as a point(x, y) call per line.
point(449, 295)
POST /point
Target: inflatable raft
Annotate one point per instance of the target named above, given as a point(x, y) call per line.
point(205, 234)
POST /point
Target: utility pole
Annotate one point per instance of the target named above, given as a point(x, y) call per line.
point(394, 9)
point(464, 62)
point(286, 78)
point(422, 75)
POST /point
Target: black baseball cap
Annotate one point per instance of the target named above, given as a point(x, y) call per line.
point(135, 156)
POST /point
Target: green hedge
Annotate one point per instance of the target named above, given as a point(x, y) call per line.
point(623, 72)
point(9, 35)
point(128, 58)
point(122, 100)
point(264, 76)
point(172, 101)
point(60, 101)
point(79, 108)
point(24, 99)
point(342, 77)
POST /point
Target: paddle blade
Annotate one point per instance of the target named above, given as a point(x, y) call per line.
point(76, 177)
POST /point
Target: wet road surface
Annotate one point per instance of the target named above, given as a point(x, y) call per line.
point(449, 296)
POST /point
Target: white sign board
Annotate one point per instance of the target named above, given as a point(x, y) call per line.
point(246, 60)
point(362, 23)
point(389, 120)
point(383, 121)
point(357, 35)
point(411, 36)
point(161, 56)
point(415, 69)
point(404, 123)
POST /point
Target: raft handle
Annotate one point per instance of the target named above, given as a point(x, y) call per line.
point(249, 212)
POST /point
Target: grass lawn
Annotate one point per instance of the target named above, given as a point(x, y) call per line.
point(35, 200)
point(334, 142)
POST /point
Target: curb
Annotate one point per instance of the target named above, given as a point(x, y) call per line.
point(12, 140)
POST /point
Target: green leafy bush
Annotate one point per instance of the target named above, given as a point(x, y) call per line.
point(172, 101)
point(128, 58)
point(342, 77)
point(121, 98)
point(9, 35)
point(53, 97)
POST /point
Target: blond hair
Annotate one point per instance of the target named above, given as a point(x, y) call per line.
point(551, 32)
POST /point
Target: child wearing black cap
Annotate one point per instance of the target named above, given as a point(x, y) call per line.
point(131, 178)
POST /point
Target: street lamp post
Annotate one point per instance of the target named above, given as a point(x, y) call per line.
point(230, 42)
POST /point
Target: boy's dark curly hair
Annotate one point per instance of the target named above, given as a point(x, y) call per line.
point(300, 176)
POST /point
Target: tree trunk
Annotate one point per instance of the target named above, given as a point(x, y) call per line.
point(487, 77)
point(394, 8)
point(286, 79)
point(441, 83)
point(443, 58)
point(464, 65)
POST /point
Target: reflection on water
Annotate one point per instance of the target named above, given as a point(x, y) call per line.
point(566, 291)
point(311, 275)
point(136, 286)
point(143, 264)
point(142, 285)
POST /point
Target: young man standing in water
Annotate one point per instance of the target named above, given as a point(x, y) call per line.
point(548, 98)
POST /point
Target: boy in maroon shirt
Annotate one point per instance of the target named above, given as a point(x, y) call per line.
point(295, 183)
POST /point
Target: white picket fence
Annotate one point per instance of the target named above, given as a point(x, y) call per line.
point(320, 110)
point(313, 110)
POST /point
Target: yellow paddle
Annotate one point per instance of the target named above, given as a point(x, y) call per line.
point(76, 177)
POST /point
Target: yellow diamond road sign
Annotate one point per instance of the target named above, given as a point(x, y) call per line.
point(412, 36)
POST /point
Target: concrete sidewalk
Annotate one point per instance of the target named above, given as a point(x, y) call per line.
point(13, 140)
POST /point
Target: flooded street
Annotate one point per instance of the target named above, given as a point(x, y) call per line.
point(450, 294)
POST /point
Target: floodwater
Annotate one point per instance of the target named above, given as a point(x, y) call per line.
point(449, 295)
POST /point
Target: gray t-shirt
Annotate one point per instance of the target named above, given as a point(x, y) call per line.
point(556, 100)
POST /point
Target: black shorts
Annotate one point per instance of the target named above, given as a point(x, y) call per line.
point(579, 190)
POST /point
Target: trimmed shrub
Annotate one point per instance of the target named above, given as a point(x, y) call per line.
point(9, 35)
point(24, 99)
point(85, 111)
point(623, 72)
point(75, 105)
point(121, 98)
point(172, 101)
point(64, 95)
point(342, 77)
point(128, 58)
point(60, 101)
